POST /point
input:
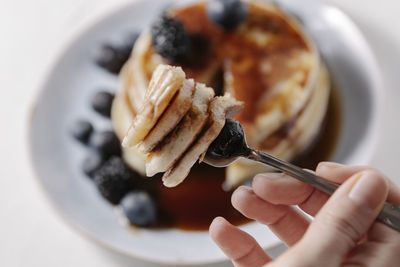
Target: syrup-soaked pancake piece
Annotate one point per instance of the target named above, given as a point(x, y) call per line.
point(175, 144)
point(167, 81)
point(220, 108)
point(177, 148)
point(178, 107)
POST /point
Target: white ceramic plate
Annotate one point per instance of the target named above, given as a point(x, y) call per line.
point(74, 78)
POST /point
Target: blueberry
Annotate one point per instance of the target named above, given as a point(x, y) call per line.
point(81, 130)
point(112, 58)
point(170, 39)
point(228, 14)
point(92, 163)
point(114, 179)
point(139, 208)
point(102, 102)
point(107, 58)
point(106, 143)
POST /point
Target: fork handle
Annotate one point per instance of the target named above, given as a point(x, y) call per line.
point(390, 214)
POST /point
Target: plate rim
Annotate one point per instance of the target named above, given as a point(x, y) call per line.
point(62, 48)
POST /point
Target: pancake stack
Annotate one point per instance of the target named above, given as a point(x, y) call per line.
point(268, 63)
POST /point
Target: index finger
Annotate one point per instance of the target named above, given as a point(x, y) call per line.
point(282, 189)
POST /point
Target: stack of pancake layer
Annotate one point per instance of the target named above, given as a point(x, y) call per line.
point(268, 63)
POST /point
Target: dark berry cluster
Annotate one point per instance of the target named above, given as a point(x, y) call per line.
point(170, 39)
point(115, 180)
point(102, 144)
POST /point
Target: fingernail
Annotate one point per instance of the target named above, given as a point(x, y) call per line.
point(329, 165)
point(367, 190)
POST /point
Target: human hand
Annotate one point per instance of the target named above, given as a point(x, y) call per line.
point(343, 233)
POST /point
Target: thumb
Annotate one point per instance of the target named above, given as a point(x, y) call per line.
point(345, 218)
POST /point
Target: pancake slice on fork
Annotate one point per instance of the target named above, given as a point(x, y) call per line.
point(220, 108)
point(165, 83)
point(172, 116)
point(175, 144)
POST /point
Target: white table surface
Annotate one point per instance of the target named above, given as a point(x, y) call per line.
point(32, 33)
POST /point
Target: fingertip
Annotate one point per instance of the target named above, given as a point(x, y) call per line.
point(237, 245)
point(263, 184)
point(380, 179)
point(218, 221)
point(337, 172)
point(327, 166)
point(279, 188)
point(217, 228)
point(270, 176)
point(369, 188)
point(239, 196)
point(257, 179)
point(261, 187)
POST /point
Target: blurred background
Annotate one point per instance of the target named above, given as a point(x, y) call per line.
point(32, 35)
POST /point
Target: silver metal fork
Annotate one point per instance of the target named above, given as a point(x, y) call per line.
point(231, 144)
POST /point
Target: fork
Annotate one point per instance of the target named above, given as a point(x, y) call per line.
point(231, 144)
